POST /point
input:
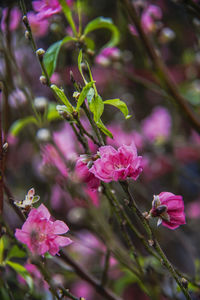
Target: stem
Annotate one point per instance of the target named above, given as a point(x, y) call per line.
point(33, 43)
point(52, 288)
point(151, 237)
point(87, 133)
point(104, 277)
point(165, 77)
point(104, 292)
point(81, 139)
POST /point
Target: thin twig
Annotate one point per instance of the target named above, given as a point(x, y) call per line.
point(164, 75)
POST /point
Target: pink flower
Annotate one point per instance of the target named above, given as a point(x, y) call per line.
point(193, 209)
point(157, 127)
point(41, 234)
point(47, 8)
point(85, 175)
point(51, 157)
point(36, 275)
point(148, 18)
point(117, 164)
point(14, 19)
point(169, 208)
point(124, 137)
point(39, 27)
point(107, 55)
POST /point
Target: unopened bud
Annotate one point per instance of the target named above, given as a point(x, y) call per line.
point(27, 35)
point(5, 147)
point(167, 35)
point(75, 115)
point(43, 135)
point(43, 80)
point(84, 67)
point(72, 77)
point(40, 104)
point(25, 20)
point(76, 95)
point(90, 52)
point(40, 53)
point(151, 242)
point(184, 282)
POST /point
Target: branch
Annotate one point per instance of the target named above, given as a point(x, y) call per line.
point(104, 292)
point(165, 78)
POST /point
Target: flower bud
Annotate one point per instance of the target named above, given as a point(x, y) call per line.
point(40, 53)
point(43, 80)
point(166, 35)
point(184, 282)
point(40, 104)
point(72, 77)
point(27, 35)
point(5, 147)
point(43, 135)
point(25, 20)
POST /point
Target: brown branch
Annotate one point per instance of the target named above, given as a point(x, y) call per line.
point(165, 77)
point(106, 293)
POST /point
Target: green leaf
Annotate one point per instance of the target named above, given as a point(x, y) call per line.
point(1, 250)
point(83, 94)
point(21, 271)
point(104, 129)
point(120, 105)
point(90, 95)
point(52, 113)
point(97, 107)
point(61, 95)
point(80, 57)
point(101, 22)
point(68, 15)
point(51, 55)
point(89, 43)
point(15, 251)
point(18, 125)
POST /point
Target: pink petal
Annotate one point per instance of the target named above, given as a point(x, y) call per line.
point(44, 211)
point(59, 227)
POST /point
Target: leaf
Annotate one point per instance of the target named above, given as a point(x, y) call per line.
point(90, 95)
point(104, 129)
point(68, 15)
point(83, 94)
point(15, 251)
point(120, 105)
point(51, 55)
point(101, 22)
point(1, 250)
point(52, 113)
point(97, 107)
point(18, 125)
point(89, 43)
point(80, 57)
point(61, 95)
point(21, 271)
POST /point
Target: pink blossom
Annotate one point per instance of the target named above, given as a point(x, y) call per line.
point(85, 175)
point(117, 164)
point(41, 234)
point(124, 137)
point(36, 275)
point(47, 8)
point(193, 209)
point(51, 157)
point(157, 127)
point(107, 55)
point(39, 27)
point(14, 19)
point(169, 208)
point(83, 289)
point(66, 142)
point(148, 18)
